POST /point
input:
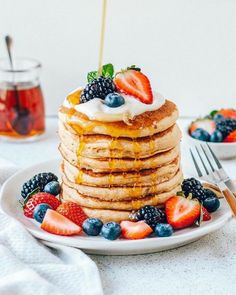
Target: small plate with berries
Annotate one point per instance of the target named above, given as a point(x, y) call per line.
point(32, 196)
point(218, 129)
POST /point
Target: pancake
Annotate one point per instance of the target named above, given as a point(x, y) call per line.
point(139, 178)
point(101, 146)
point(70, 194)
point(120, 164)
point(123, 193)
point(146, 124)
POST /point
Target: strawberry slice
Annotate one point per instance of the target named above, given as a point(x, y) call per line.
point(57, 224)
point(134, 83)
point(73, 212)
point(135, 230)
point(228, 113)
point(205, 124)
point(181, 212)
point(231, 137)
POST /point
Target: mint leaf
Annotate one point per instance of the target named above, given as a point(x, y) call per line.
point(108, 71)
point(213, 113)
point(92, 76)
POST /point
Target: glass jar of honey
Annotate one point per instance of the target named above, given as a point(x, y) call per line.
point(22, 115)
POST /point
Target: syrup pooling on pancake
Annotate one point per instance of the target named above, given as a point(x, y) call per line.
point(120, 145)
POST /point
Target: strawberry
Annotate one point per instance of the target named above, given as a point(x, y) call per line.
point(231, 137)
point(205, 124)
point(228, 113)
point(135, 83)
point(182, 212)
point(39, 198)
point(205, 214)
point(57, 224)
point(73, 212)
point(135, 230)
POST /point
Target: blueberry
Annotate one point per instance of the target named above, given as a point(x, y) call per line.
point(216, 136)
point(52, 188)
point(201, 134)
point(114, 100)
point(211, 204)
point(40, 211)
point(111, 231)
point(218, 117)
point(92, 226)
point(163, 230)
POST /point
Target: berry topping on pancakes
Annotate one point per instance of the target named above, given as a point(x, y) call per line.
point(133, 82)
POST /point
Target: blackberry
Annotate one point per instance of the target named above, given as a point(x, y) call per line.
point(226, 126)
point(151, 215)
point(99, 87)
point(209, 193)
point(38, 181)
point(194, 187)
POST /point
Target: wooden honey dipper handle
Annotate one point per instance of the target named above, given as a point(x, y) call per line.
point(229, 196)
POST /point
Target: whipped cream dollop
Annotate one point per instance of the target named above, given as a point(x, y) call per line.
point(96, 109)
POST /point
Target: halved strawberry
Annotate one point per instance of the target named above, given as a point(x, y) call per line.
point(135, 230)
point(57, 224)
point(231, 137)
point(73, 212)
point(228, 113)
point(37, 199)
point(181, 212)
point(205, 214)
point(205, 124)
point(135, 83)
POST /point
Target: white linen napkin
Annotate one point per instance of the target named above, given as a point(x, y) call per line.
point(27, 267)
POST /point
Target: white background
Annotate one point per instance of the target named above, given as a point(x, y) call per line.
point(186, 47)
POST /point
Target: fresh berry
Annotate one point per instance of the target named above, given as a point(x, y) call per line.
point(163, 230)
point(92, 226)
point(39, 198)
point(201, 134)
point(182, 212)
point(52, 188)
point(135, 83)
point(151, 215)
point(57, 224)
point(38, 181)
point(99, 88)
point(218, 117)
point(209, 193)
point(111, 231)
point(205, 214)
point(40, 211)
point(206, 124)
point(73, 212)
point(216, 136)
point(228, 113)
point(194, 187)
point(114, 100)
point(231, 137)
point(135, 230)
point(211, 204)
point(226, 126)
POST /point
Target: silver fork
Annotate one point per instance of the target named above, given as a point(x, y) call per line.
point(215, 175)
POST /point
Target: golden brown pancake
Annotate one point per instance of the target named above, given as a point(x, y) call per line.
point(102, 146)
point(139, 178)
point(70, 194)
point(119, 164)
point(146, 124)
point(120, 193)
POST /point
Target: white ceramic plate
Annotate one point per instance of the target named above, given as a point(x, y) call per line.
point(97, 245)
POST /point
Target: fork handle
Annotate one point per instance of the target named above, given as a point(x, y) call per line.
point(229, 196)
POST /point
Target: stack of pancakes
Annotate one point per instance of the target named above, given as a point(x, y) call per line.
point(113, 168)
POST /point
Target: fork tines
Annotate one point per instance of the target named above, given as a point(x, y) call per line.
point(206, 156)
